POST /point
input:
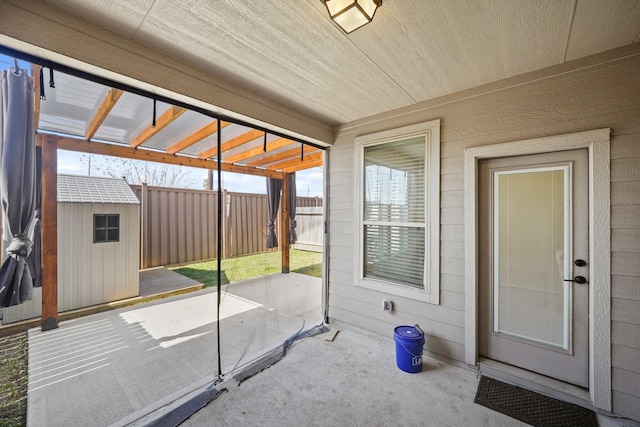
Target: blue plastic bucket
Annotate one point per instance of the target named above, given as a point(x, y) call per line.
point(409, 346)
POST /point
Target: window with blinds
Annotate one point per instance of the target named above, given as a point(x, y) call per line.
point(395, 213)
point(398, 212)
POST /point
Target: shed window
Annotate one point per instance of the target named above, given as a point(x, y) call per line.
point(106, 228)
point(399, 221)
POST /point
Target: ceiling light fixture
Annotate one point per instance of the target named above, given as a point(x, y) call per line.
point(352, 14)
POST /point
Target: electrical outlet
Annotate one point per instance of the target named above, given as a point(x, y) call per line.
point(387, 305)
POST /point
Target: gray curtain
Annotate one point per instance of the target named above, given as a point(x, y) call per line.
point(293, 237)
point(274, 187)
point(35, 259)
point(17, 185)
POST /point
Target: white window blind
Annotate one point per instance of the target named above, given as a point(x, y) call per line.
point(394, 220)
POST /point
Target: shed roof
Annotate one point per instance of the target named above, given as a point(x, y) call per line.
point(90, 189)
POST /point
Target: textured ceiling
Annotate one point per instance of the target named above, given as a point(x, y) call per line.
point(414, 50)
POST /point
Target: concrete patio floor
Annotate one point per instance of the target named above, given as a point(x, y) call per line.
point(114, 367)
point(130, 366)
point(154, 283)
point(160, 280)
point(353, 381)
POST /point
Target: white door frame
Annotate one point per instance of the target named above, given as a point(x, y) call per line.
point(597, 142)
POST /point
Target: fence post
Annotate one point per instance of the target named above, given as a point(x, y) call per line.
point(225, 226)
point(144, 225)
point(210, 179)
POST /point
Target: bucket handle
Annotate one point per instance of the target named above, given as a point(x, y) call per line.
point(414, 355)
point(418, 328)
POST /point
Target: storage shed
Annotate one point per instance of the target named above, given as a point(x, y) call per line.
point(98, 245)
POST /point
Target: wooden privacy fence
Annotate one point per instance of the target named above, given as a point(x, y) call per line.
point(180, 225)
point(310, 228)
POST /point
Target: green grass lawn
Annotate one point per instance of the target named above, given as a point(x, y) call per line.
point(247, 267)
point(13, 380)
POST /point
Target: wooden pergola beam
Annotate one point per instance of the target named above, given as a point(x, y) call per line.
point(162, 122)
point(241, 139)
point(103, 111)
point(83, 146)
point(273, 145)
point(197, 136)
point(297, 162)
point(232, 143)
point(302, 166)
point(284, 155)
point(36, 97)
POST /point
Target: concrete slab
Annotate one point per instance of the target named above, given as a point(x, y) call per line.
point(353, 380)
point(155, 283)
point(112, 368)
point(115, 368)
point(159, 280)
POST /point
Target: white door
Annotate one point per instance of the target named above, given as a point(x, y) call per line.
point(533, 263)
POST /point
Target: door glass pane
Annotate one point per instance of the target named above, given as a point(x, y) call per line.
point(531, 226)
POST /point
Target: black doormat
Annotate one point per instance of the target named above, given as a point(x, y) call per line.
point(530, 407)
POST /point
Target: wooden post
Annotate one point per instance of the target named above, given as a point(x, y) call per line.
point(49, 233)
point(144, 225)
point(284, 222)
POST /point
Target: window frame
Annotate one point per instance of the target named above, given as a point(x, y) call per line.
point(106, 228)
point(431, 131)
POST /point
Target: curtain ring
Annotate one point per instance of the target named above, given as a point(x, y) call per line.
point(153, 123)
point(52, 84)
point(16, 67)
